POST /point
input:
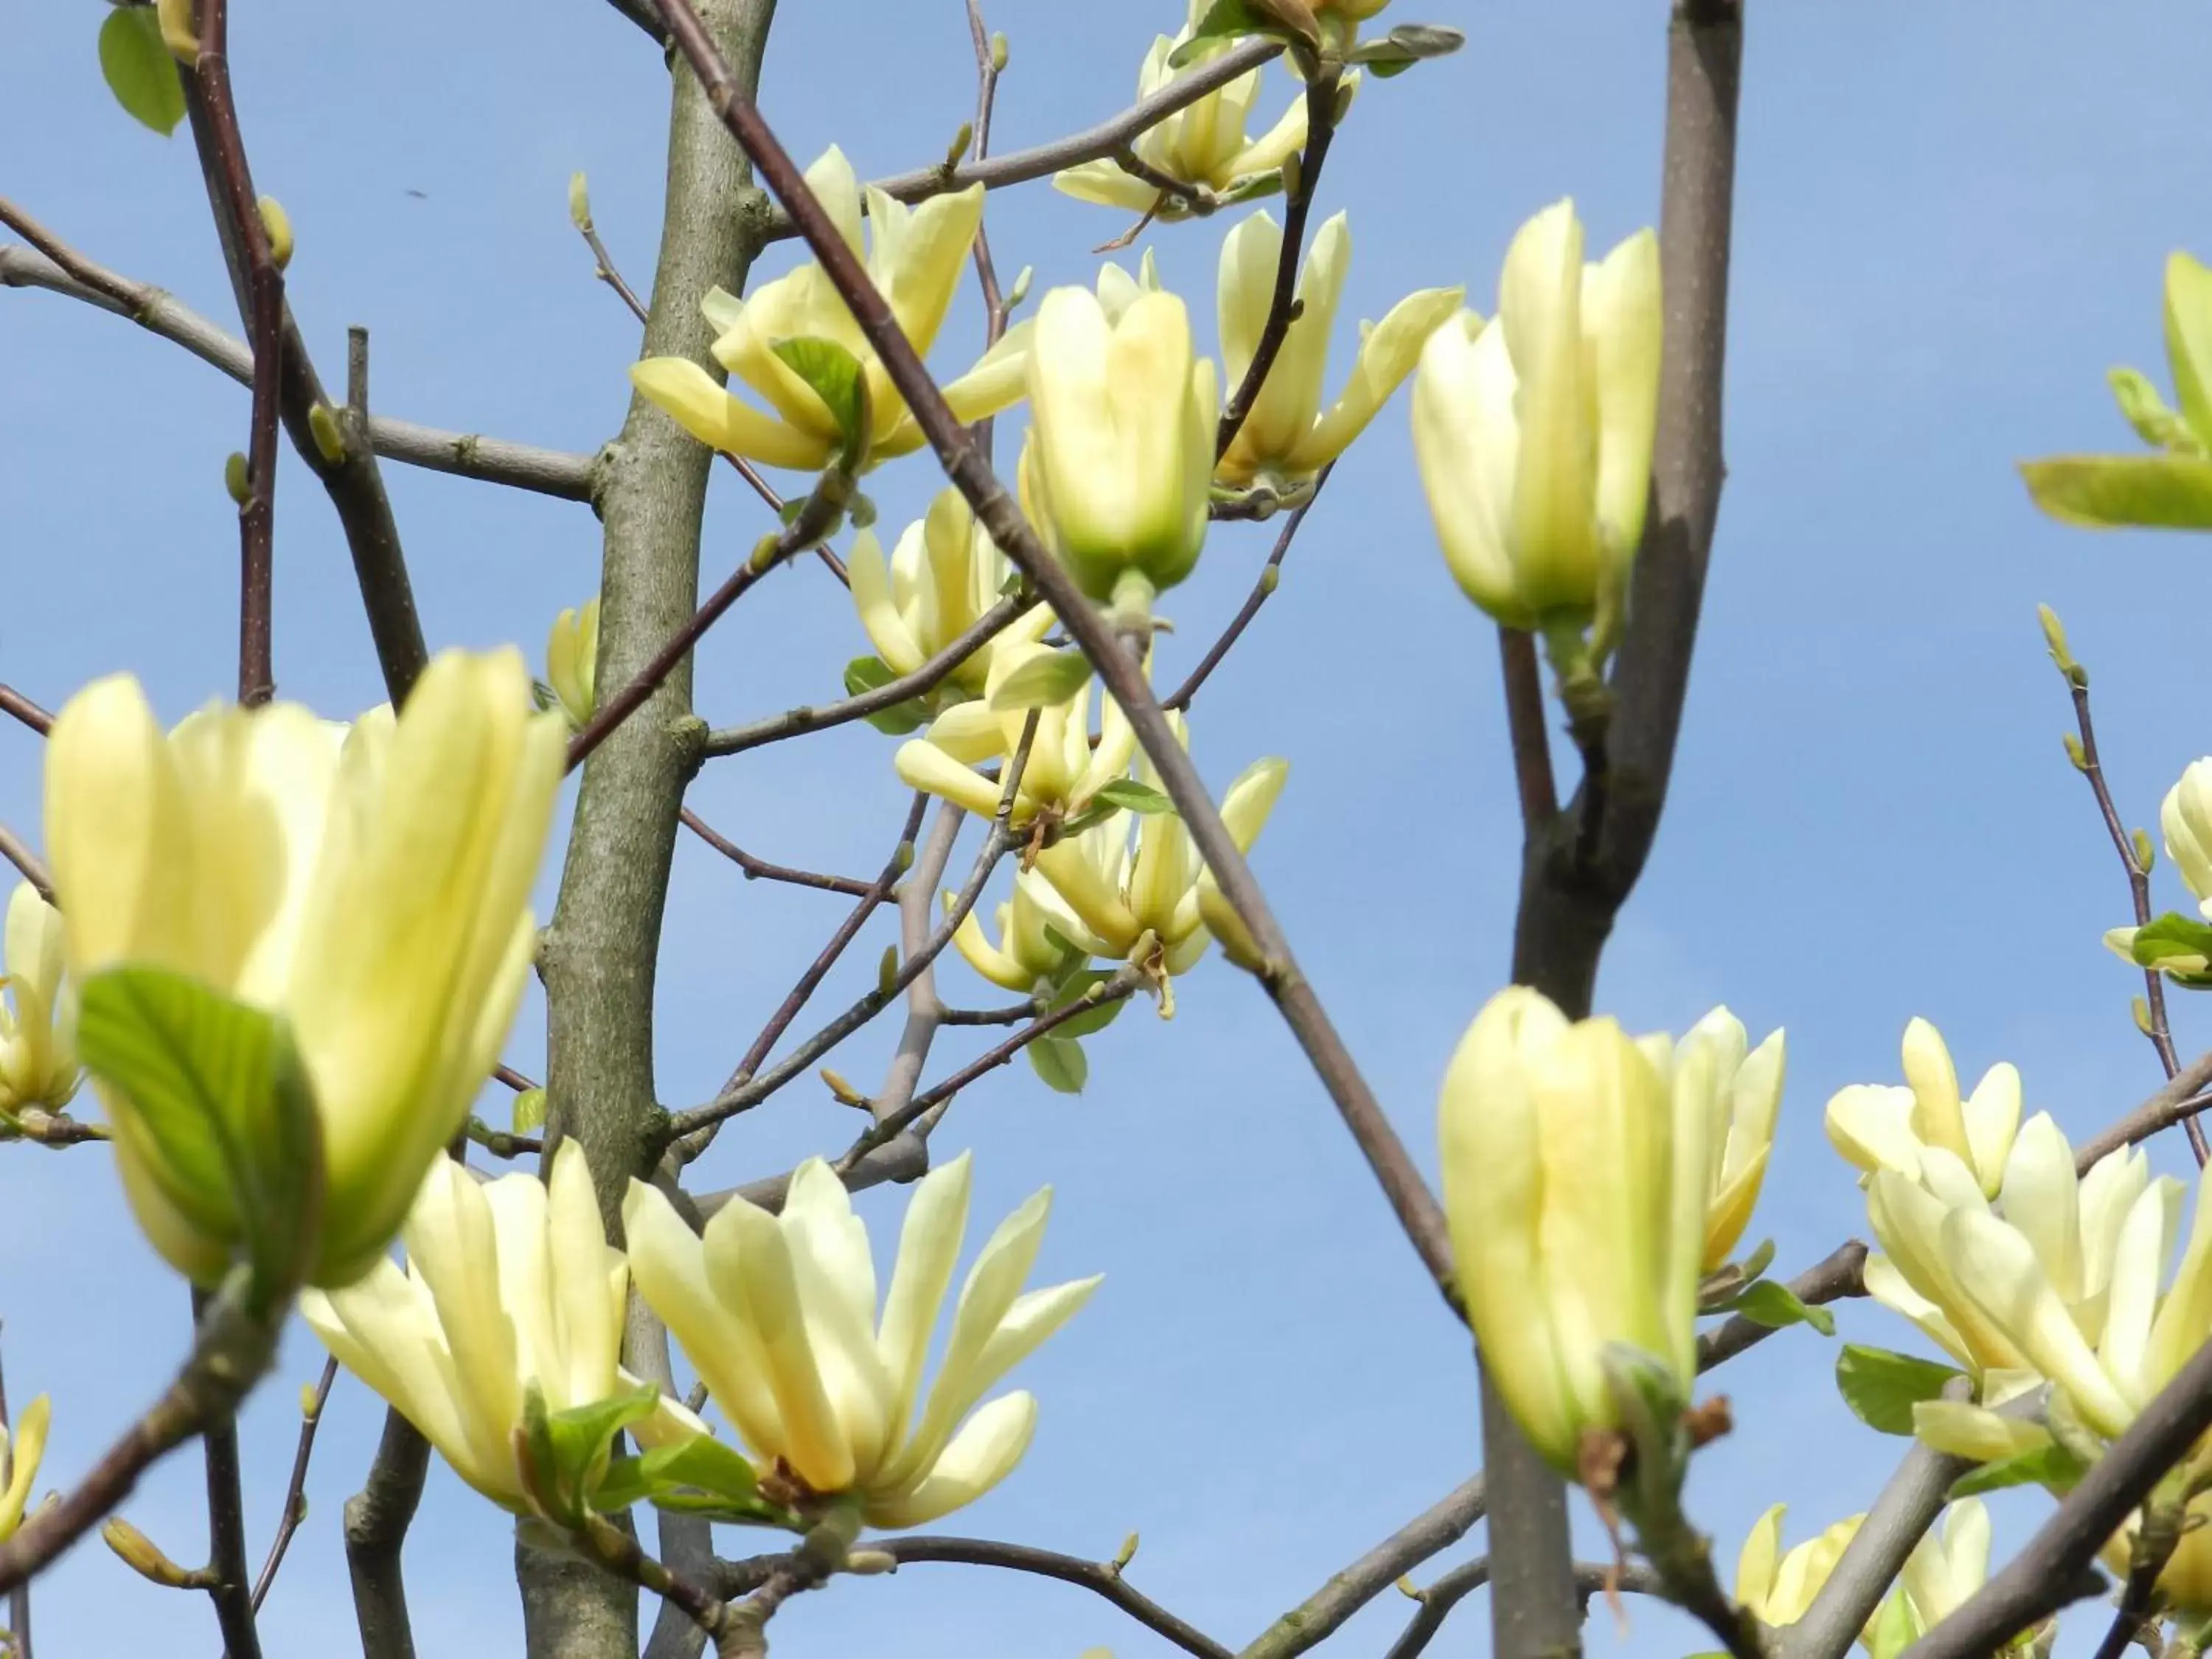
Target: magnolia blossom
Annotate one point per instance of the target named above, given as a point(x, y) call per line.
point(1777, 1587)
point(572, 662)
point(23, 1449)
point(38, 1056)
point(2185, 816)
point(1574, 1184)
point(1286, 437)
point(915, 257)
point(2172, 488)
point(1065, 768)
point(1741, 1098)
point(1947, 1565)
point(780, 1316)
point(1117, 471)
point(1202, 145)
point(1131, 900)
point(509, 1287)
point(1027, 954)
point(371, 886)
point(1534, 435)
point(1887, 1128)
point(944, 574)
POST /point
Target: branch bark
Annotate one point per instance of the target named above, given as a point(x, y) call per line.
point(376, 1522)
point(598, 958)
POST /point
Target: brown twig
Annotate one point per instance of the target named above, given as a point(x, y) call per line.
point(1282, 304)
point(1012, 1014)
point(295, 1490)
point(813, 521)
point(1270, 576)
point(1840, 1274)
point(1436, 1602)
point(17, 852)
point(1101, 1578)
point(800, 722)
point(762, 870)
point(987, 270)
point(1018, 167)
point(376, 1522)
point(2178, 1101)
point(2092, 768)
point(1524, 724)
point(1416, 1207)
point(14, 702)
point(1313, 1621)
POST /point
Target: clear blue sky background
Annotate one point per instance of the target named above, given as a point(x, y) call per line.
point(1951, 221)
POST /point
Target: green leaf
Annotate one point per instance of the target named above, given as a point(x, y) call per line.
point(1075, 989)
point(1043, 682)
point(835, 377)
point(139, 70)
point(1759, 1260)
point(219, 1092)
point(1059, 1063)
point(699, 1476)
point(1765, 1302)
point(2147, 412)
point(529, 1111)
point(866, 674)
point(2045, 1466)
point(1882, 1387)
point(2163, 492)
point(887, 970)
point(1135, 797)
point(2184, 941)
point(572, 1449)
point(1406, 45)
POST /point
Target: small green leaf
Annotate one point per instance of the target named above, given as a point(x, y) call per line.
point(1881, 1386)
point(2165, 492)
point(835, 377)
point(699, 1476)
point(887, 972)
point(1135, 797)
point(2045, 1466)
point(1759, 1260)
point(1075, 989)
point(221, 1092)
point(1406, 45)
point(2147, 412)
point(529, 1111)
point(1765, 1302)
point(1043, 682)
point(572, 1449)
point(866, 674)
point(1061, 1064)
point(2182, 941)
point(139, 70)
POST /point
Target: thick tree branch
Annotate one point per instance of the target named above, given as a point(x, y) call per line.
point(466, 454)
point(376, 1522)
point(1436, 1529)
point(2179, 1101)
point(1416, 1209)
point(1018, 167)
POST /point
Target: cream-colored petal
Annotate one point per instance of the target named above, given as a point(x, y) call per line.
point(687, 394)
point(750, 1266)
point(1387, 353)
point(2043, 1202)
point(870, 581)
point(1998, 1269)
point(984, 1453)
point(837, 1281)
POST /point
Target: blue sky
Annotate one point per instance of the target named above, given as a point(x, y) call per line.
point(1951, 222)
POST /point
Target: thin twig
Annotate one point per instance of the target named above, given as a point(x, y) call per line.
point(762, 870)
point(464, 454)
point(1524, 724)
point(17, 852)
point(2092, 768)
point(14, 702)
point(19, 1599)
point(987, 270)
point(295, 1491)
point(1270, 576)
point(1436, 1602)
point(1018, 167)
point(1124, 982)
point(1841, 1274)
point(799, 722)
point(2178, 1101)
point(1101, 1578)
point(1012, 1014)
point(1282, 305)
point(1416, 1207)
point(814, 521)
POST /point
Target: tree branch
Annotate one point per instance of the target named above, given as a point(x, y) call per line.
point(1416, 1207)
point(1841, 1274)
point(1591, 1578)
point(2179, 1101)
point(1270, 578)
point(466, 454)
point(1018, 167)
point(761, 869)
point(1869, 1565)
point(1525, 728)
point(17, 852)
point(1101, 1578)
point(295, 1491)
point(376, 1522)
point(1323, 1614)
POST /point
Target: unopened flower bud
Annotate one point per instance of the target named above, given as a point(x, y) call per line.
point(144, 1556)
point(237, 479)
point(580, 202)
point(998, 53)
point(278, 226)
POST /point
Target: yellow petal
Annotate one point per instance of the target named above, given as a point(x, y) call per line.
point(1387, 353)
point(750, 1266)
point(683, 392)
point(981, 1456)
point(929, 1246)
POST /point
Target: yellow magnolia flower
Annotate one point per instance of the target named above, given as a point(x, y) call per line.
point(1132, 899)
point(372, 887)
point(2171, 489)
point(1948, 1567)
point(945, 572)
point(38, 1057)
point(1065, 769)
point(1885, 1128)
point(1741, 1099)
point(572, 662)
point(1779, 1588)
point(779, 1316)
point(23, 1451)
point(915, 257)
point(2185, 816)
point(1117, 470)
point(1534, 435)
point(1026, 956)
point(1202, 145)
point(1575, 1182)
point(510, 1285)
point(2059, 1279)
point(1286, 437)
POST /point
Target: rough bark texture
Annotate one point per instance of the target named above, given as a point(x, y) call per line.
point(599, 955)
